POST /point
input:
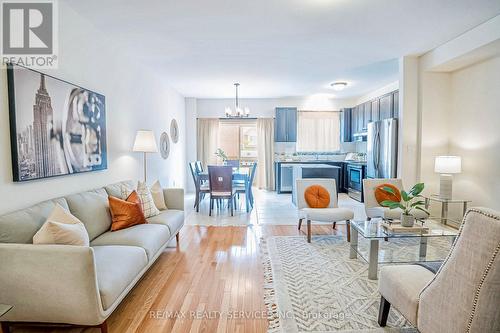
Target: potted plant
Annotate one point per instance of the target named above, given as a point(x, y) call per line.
point(221, 154)
point(409, 201)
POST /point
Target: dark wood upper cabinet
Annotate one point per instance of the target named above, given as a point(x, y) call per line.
point(285, 125)
point(385, 106)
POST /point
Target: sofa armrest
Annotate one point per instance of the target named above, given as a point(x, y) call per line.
point(174, 198)
point(50, 283)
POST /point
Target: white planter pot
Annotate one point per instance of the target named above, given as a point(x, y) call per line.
point(407, 220)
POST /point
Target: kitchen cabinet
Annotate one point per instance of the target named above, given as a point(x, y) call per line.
point(345, 125)
point(395, 102)
point(367, 115)
point(285, 125)
point(380, 108)
point(385, 106)
point(375, 112)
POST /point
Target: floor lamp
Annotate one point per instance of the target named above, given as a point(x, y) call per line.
point(145, 143)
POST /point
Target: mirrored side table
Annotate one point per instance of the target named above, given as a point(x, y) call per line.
point(445, 208)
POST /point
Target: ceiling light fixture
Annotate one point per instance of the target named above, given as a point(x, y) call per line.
point(338, 86)
point(237, 112)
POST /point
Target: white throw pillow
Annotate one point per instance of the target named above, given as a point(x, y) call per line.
point(62, 228)
point(158, 198)
point(148, 207)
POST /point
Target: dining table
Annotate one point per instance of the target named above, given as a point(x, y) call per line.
point(241, 177)
point(240, 174)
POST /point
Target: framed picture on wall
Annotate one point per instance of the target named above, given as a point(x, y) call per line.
point(56, 127)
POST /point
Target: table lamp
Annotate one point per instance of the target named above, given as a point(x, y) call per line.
point(145, 143)
point(446, 166)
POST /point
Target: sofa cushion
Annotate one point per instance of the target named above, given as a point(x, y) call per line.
point(115, 190)
point(126, 213)
point(20, 226)
point(117, 267)
point(151, 237)
point(401, 286)
point(172, 218)
point(92, 209)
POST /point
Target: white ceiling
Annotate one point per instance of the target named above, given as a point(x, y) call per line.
point(278, 48)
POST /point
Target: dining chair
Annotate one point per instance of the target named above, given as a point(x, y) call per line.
point(246, 188)
point(221, 186)
point(200, 188)
point(199, 166)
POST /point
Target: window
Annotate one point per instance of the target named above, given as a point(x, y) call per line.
point(318, 131)
point(238, 138)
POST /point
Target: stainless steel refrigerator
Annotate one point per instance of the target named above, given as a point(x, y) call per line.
point(382, 149)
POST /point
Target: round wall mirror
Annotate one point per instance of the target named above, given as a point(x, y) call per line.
point(164, 145)
point(174, 131)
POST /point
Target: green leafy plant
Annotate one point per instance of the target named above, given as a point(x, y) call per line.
point(409, 200)
point(221, 154)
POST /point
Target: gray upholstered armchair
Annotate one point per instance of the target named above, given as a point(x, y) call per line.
point(464, 294)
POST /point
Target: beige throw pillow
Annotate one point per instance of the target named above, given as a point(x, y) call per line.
point(62, 228)
point(148, 207)
point(158, 198)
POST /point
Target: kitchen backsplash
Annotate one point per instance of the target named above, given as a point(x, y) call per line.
point(288, 148)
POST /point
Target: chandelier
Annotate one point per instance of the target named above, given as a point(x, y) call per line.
point(237, 112)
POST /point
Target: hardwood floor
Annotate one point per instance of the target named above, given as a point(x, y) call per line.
point(212, 282)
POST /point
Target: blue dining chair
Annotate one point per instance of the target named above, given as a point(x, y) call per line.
point(246, 188)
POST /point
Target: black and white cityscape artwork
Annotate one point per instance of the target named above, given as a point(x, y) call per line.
point(57, 128)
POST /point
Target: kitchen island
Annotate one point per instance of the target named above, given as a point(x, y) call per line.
point(301, 171)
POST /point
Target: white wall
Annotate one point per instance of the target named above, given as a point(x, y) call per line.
point(474, 126)
point(136, 98)
point(459, 108)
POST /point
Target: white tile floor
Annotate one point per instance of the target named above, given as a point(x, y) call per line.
point(270, 208)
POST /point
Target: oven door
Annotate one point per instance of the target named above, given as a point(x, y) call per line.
point(355, 179)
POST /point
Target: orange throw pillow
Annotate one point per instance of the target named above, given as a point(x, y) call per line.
point(382, 195)
point(317, 196)
point(126, 213)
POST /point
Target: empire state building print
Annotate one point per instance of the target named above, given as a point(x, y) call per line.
point(43, 123)
point(57, 128)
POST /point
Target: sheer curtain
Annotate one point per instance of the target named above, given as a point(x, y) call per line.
point(207, 140)
point(318, 131)
point(265, 153)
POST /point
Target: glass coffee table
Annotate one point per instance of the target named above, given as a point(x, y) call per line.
point(374, 232)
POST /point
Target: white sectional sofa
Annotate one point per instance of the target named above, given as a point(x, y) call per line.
point(74, 284)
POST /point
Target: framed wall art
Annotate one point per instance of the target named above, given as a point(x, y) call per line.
point(56, 127)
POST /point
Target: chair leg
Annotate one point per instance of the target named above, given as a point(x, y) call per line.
point(104, 327)
point(383, 311)
point(300, 223)
point(177, 236)
point(5, 327)
point(334, 224)
point(231, 206)
point(309, 231)
point(348, 233)
point(211, 207)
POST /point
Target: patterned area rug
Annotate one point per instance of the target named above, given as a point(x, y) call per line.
point(316, 287)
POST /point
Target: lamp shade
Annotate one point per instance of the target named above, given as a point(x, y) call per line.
point(448, 164)
point(145, 142)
